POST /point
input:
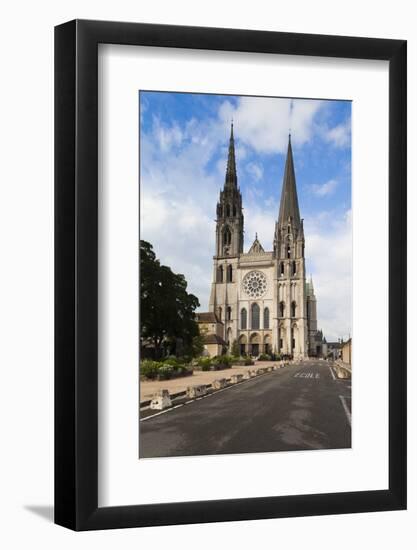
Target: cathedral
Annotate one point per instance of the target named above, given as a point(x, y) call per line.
point(260, 299)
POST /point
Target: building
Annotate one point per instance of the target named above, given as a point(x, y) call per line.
point(334, 350)
point(346, 354)
point(212, 330)
point(261, 297)
point(317, 344)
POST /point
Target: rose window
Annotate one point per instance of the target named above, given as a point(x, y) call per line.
point(254, 284)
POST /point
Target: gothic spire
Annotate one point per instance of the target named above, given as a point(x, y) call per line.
point(231, 174)
point(289, 199)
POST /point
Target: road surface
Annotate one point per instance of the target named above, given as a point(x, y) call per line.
point(299, 407)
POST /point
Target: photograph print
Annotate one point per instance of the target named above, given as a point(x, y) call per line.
point(245, 255)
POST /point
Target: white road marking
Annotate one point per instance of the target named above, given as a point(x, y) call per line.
point(162, 412)
point(346, 409)
point(307, 375)
point(332, 373)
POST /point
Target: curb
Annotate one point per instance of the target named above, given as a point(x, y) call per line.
point(209, 387)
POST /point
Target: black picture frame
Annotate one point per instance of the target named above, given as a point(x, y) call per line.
point(76, 272)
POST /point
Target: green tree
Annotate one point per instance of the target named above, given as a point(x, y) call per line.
point(197, 346)
point(235, 349)
point(166, 308)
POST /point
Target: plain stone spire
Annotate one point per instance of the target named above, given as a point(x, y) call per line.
point(289, 199)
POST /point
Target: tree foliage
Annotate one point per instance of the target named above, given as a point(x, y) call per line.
point(235, 348)
point(166, 308)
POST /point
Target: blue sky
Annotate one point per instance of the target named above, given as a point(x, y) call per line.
point(183, 151)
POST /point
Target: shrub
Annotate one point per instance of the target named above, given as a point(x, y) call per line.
point(181, 369)
point(264, 357)
point(165, 371)
point(149, 368)
point(171, 360)
point(243, 360)
point(204, 362)
point(223, 360)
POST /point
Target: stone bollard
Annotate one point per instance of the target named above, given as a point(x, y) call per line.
point(247, 375)
point(161, 400)
point(252, 373)
point(260, 371)
point(218, 384)
point(196, 391)
point(276, 367)
point(235, 378)
point(341, 372)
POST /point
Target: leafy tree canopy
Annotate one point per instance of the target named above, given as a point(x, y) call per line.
point(166, 308)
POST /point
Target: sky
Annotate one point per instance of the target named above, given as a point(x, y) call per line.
point(183, 153)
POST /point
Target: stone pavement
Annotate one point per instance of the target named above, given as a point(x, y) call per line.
point(148, 388)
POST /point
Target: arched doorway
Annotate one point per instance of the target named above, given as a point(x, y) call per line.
point(255, 342)
point(267, 344)
point(242, 344)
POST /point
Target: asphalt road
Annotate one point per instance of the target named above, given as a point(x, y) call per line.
point(295, 408)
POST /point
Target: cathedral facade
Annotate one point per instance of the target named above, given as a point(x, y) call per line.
point(261, 298)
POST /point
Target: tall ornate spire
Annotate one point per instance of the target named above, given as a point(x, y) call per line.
point(231, 174)
point(289, 199)
point(229, 222)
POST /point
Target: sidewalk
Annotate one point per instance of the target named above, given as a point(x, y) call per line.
point(148, 388)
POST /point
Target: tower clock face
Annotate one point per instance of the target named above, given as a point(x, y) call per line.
point(254, 284)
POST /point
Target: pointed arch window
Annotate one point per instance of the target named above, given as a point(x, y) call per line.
point(229, 273)
point(266, 318)
point(293, 309)
point(243, 319)
point(255, 314)
point(294, 267)
point(228, 210)
point(229, 313)
point(220, 313)
point(234, 210)
point(288, 251)
point(227, 236)
point(220, 274)
point(281, 309)
point(282, 268)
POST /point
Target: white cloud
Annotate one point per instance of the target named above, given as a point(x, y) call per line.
point(261, 221)
point(325, 188)
point(339, 135)
point(177, 207)
point(178, 200)
point(264, 123)
point(329, 259)
point(167, 137)
point(255, 171)
point(241, 152)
